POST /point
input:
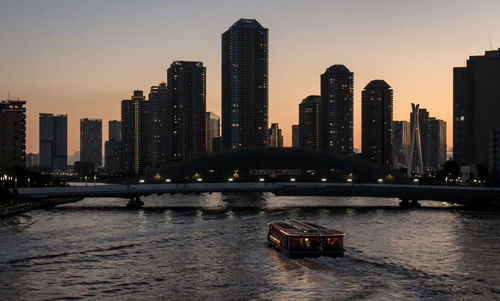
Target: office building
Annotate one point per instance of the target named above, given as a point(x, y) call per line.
point(115, 130)
point(213, 129)
point(134, 144)
point(245, 84)
point(476, 94)
point(32, 160)
point(12, 134)
point(53, 141)
point(158, 133)
point(376, 123)
point(436, 144)
point(295, 136)
point(91, 141)
point(275, 136)
point(310, 122)
point(186, 112)
point(400, 144)
point(337, 110)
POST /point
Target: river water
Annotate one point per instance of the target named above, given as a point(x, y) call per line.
point(213, 247)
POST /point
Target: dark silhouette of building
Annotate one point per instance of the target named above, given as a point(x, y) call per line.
point(32, 160)
point(112, 148)
point(186, 110)
point(134, 144)
point(376, 123)
point(157, 130)
point(275, 136)
point(476, 94)
point(245, 85)
point(91, 141)
point(295, 136)
point(115, 130)
point(53, 141)
point(310, 122)
point(12, 133)
point(337, 110)
point(436, 143)
point(213, 129)
point(400, 144)
point(494, 155)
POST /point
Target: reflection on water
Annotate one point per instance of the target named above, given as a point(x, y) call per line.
point(213, 246)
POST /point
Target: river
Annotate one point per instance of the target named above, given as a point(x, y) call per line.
point(213, 247)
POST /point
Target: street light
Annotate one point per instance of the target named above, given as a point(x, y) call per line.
point(199, 179)
point(167, 180)
point(323, 180)
point(380, 181)
point(292, 180)
point(349, 180)
point(261, 180)
point(141, 181)
point(230, 179)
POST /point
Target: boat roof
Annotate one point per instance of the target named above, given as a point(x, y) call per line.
point(294, 227)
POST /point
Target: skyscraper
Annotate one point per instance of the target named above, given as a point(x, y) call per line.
point(310, 122)
point(400, 143)
point(245, 85)
point(112, 148)
point(337, 110)
point(376, 123)
point(295, 136)
point(476, 94)
point(213, 130)
point(436, 143)
point(91, 141)
point(275, 136)
point(53, 141)
point(185, 118)
point(158, 132)
point(134, 145)
point(12, 134)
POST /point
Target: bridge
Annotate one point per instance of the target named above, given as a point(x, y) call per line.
point(471, 196)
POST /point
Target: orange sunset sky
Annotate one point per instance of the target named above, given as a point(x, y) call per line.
point(82, 58)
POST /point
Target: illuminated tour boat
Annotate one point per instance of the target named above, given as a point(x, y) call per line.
point(305, 239)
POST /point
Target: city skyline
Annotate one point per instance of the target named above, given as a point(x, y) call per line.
point(54, 64)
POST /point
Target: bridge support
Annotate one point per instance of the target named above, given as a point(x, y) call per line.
point(135, 203)
point(407, 204)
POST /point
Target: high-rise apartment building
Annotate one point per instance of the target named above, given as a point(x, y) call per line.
point(310, 122)
point(112, 148)
point(12, 134)
point(213, 130)
point(134, 144)
point(476, 94)
point(376, 123)
point(91, 141)
point(53, 141)
point(275, 136)
point(245, 81)
point(337, 110)
point(157, 133)
point(400, 143)
point(436, 143)
point(295, 136)
point(186, 110)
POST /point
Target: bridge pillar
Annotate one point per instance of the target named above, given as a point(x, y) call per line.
point(407, 204)
point(135, 203)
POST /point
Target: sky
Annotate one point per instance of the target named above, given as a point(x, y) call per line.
point(82, 58)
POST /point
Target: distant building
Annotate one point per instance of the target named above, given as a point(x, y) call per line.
point(53, 141)
point(32, 160)
point(12, 133)
point(437, 143)
point(310, 122)
point(400, 143)
point(275, 136)
point(376, 123)
point(245, 86)
point(295, 136)
point(494, 155)
point(476, 107)
point(158, 134)
point(91, 141)
point(134, 144)
point(112, 148)
point(115, 130)
point(337, 110)
point(186, 109)
point(213, 129)
point(73, 158)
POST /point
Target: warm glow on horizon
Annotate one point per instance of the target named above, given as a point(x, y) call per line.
point(83, 58)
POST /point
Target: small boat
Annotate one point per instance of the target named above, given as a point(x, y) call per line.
point(305, 239)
